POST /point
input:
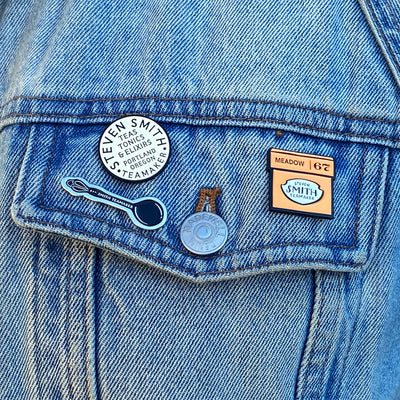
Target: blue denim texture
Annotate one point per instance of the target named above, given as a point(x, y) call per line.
point(292, 307)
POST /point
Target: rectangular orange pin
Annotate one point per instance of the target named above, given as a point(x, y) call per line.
point(301, 183)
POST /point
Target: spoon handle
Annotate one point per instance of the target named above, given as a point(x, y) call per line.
point(80, 187)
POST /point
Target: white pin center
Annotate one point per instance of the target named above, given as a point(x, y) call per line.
point(134, 148)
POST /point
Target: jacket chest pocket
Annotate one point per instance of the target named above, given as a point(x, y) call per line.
point(232, 158)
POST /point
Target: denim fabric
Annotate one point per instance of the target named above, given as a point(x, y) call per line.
point(292, 307)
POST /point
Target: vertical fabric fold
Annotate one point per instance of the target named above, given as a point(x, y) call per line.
point(384, 20)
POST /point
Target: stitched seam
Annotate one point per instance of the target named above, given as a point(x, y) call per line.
point(67, 326)
point(391, 13)
point(166, 262)
point(299, 382)
point(210, 100)
point(353, 330)
point(135, 251)
point(35, 315)
point(387, 43)
point(31, 156)
point(360, 185)
point(353, 246)
point(198, 257)
point(376, 203)
point(211, 194)
point(364, 136)
point(334, 327)
point(317, 333)
point(215, 256)
point(85, 320)
point(53, 146)
point(312, 350)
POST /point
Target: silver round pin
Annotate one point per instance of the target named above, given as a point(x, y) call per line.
point(204, 232)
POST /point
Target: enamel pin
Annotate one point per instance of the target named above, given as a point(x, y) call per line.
point(146, 213)
point(134, 148)
point(301, 183)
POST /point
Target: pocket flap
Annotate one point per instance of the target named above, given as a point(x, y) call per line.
point(232, 158)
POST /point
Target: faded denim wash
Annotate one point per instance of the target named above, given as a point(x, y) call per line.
point(292, 307)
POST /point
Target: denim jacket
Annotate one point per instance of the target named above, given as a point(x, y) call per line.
point(292, 306)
